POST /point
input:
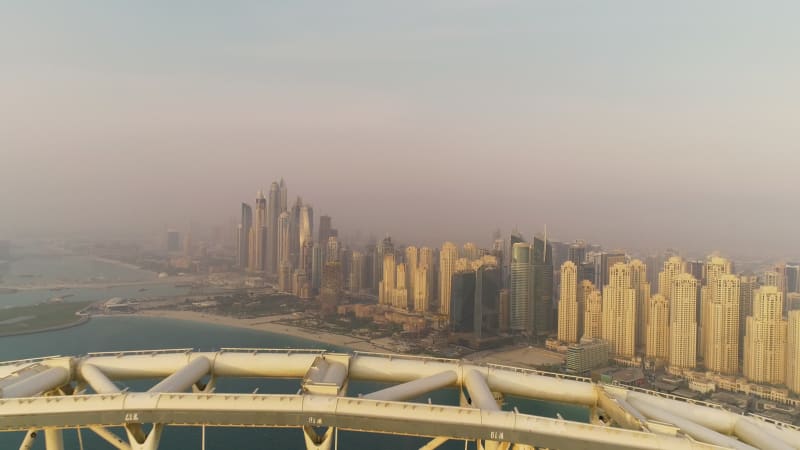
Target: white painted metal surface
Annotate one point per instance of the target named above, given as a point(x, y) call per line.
point(324, 405)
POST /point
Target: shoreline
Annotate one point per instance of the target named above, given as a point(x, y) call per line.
point(82, 320)
point(270, 325)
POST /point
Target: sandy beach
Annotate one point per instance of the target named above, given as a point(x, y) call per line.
point(271, 325)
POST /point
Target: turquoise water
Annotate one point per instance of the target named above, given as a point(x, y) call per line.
point(35, 296)
point(39, 270)
point(136, 333)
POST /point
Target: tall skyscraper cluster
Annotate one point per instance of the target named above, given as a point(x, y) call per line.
point(693, 320)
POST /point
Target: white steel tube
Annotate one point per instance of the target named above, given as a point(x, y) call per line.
point(522, 384)
point(36, 384)
point(98, 381)
point(694, 430)
point(53, 439)
point(28, 441)
point(718, 420)
point(184, 378)
point(479, 391)
point(415, 388)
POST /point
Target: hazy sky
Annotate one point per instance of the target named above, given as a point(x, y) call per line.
point(632, 123)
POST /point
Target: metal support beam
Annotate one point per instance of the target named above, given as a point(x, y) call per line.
point(29, 440)
point(413, 389)
point(43, 381)
point(622, 412)
point(184, 378)
point(98, 381)
point(434, 443)
point(694, 430)
point(150, 442)
point(111, 438)
point(53, 439)
point(479, 391)
point(315, 441)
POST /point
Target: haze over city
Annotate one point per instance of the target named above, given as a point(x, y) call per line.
point(631, 124)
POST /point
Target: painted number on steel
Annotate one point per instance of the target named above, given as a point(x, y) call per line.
point(495, 435)
point(314, 421)
point(132, 417)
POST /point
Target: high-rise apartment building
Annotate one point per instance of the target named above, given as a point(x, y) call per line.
point(412, 261)
point(673, 267)
point(722, 326)
point(568, 311)
point(258, 236)
point(640, 284)
point(388, 283)
point(748, 284)
point(422, 289)
point(543, 319)
point(593, 315)
point(521, 286)
point(356, 271)
point(284, 244)
point(683, 322)
point(619, 312)
point(243, 237)
point(714, 268)
point(447, 264)
point(765, 339)
point(273, 212)
point(400, 294)
point(657, 342)
point(793, 352)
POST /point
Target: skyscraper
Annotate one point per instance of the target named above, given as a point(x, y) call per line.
point(748, 284)
point(683, 322)
point(793, 352)
point(284, 195)
point(765, 340)
point(470, 251)
point(657, 342)
point(619, 312)
point(412, 261)
point(486, 313)
point(608, 261)
point(317, 265)
point(242, 239)
point(447, 263)
point(356, 271)
point(521, 286)
point(332, 249)
point(568, 304)
point(386, 246)
point(714, 267)
point(294, 233)
point(325, 227)
point(640, 284)
point(542, 307)
point(593, 315)
point(422, 289)
point(306, 224)
point(722, 326)
point(673, 267)
point(273, 211)
point(258, 235)
point(400, 294)
point(387, 283)
point(284, 236)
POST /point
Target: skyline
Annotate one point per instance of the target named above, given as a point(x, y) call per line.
point(633, 125)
